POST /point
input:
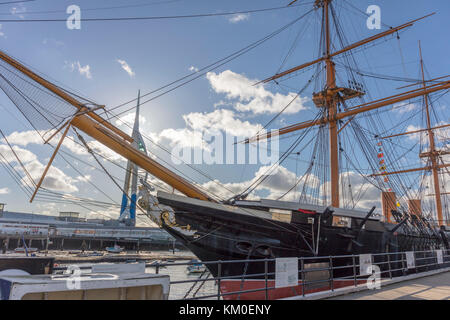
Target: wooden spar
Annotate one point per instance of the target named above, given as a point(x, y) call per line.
point(428, 168)
point(436, 153)
point(348, 48)
point(63, 95)
point(394, 99)
point(356, 110)
point(56, 132)
point(112, 141)
point(50, 162)
point(346, 124)
point(112, 137)
point(332, 112)
point(432, 155)
point(415, 131)
point(415, 84)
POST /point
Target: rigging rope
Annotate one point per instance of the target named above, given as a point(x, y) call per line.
point(200, 15)
point(201, 72)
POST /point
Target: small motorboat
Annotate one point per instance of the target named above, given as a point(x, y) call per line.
point(195, 267)
point(115, 249)
point(95, 254)
point(25, 249)
point(22, 250)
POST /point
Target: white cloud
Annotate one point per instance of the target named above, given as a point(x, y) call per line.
point(411, 128)
point(248, 97)
point(48, 208)
point(129, 120)
point(419, 136)
point(239, 17)
point(109, 212)
point(83, 70)
point(198, 123)
point(282, 180)
point(193, 69)
point(365, 194)
point(222, 103)
point(96, 146)
point(275, 185)
point(402, 107)
point(53, 42)
point(242, 95)
point(23, 154)
point(4, 191)
point(443, 134)
point(19, 10)
point(181, 137)
point(221, 119)
point(126, 67)
point(55, 179)
point(24, 138)
point(85, 178)
point(2, 34)
point(86, 70)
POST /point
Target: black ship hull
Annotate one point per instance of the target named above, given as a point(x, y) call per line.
point(223, 234)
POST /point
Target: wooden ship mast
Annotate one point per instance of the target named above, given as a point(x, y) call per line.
point(433, 154)
point(332, 95)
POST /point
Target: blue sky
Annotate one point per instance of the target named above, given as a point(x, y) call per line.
point(159, 51)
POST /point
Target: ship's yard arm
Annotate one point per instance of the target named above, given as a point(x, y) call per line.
point(417, 131)
point(364, 108)
point(55, 89)
point(428, 168)
point(110, 136)
point(356, 110)
point(433, 154)
point(348, 48)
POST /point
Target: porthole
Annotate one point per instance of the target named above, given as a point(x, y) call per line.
point(244, 246)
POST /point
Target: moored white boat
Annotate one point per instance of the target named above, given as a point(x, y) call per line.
point(196, 267)
point(115, 249)
point(22, 250)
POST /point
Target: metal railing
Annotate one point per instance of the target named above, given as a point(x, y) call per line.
point(314, 274)
point(394, 264)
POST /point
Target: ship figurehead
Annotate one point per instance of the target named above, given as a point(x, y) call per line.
point(162, 215)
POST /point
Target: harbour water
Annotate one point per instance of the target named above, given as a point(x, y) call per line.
point(179, 290)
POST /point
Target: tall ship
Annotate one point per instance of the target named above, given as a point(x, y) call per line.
point(321, 221)
point(241, 229)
